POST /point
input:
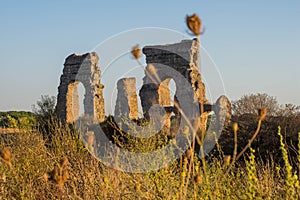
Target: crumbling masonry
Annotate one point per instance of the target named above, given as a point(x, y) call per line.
point(84, 69)
point(177, 61)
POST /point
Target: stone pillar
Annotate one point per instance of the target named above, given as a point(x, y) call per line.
point(127, 102)
point(80, 68)
point(222, 109)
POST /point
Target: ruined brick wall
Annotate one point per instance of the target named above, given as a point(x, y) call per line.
point(80, 68)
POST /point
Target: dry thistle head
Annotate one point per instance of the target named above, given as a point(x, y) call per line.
point(5, 154)
point(198, 179)
point(64, 162)
point(227, 159)
point(235, 127)
point(262, 113)
point(136, 52)
point(194, 23)
point(59, 174)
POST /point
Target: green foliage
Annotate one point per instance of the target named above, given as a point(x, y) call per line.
point(17, 119)
point(252, 179)
point(291, 179)
point(45, 107)
point(44, 111)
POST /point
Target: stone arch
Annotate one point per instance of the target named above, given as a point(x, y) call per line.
point(80, 68)
point(174, 61)
point(164, 93)
point(81, 95)
point(166, 98)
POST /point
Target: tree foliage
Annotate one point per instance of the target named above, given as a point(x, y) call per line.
point(45, 113)
point(17, 119)
point(45, 107)
point(249, 104)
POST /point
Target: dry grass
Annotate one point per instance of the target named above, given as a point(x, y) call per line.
point(9, 130)
point(66, 170)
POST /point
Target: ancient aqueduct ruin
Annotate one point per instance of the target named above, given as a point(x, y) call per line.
point(179, 58)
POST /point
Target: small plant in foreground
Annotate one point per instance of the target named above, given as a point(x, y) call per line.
point(252, 179)
point(291, 180)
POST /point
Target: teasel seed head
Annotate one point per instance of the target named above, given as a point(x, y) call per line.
point(262, 113)
point(194, 23)
point(136, 52)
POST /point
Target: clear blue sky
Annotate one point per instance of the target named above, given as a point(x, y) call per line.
point(255, 44)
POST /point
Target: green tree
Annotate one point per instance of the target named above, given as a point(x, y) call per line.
point(11, 122)
point(45, 114)
point(45, 107)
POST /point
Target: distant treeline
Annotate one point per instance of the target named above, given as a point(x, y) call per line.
point(17, 119)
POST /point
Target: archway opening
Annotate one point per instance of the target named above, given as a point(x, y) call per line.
point(172, 88)
point(166, 92)
point(81, 96)
point(75, 101)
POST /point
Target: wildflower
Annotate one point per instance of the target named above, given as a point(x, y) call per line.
point(136, 52)
point(194, 23)
point(183, 174)
point(262, 113)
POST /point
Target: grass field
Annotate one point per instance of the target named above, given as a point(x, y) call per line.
point(33, 167)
